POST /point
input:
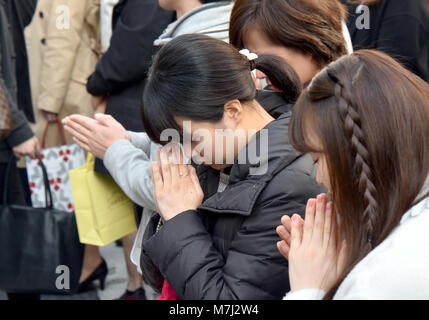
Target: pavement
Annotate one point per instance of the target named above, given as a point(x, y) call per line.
point(116, 281)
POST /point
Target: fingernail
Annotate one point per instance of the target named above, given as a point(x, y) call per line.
point(294, 218)
point(310, 203)
point(319, 198)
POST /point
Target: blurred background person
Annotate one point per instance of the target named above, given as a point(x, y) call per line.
point(106, 17)
point(308, 35)
point(63, 41)
point(16, 93)
point(117, 86)
point(396, 27)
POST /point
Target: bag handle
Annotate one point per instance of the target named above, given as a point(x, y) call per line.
point(60, 128)
point(48, 194)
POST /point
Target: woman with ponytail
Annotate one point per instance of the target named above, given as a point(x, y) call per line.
point(365, 121)
point(214, 237)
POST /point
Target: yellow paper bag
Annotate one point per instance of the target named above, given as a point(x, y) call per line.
point(103, 212)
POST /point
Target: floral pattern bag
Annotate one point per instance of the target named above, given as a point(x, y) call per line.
point(58, 161)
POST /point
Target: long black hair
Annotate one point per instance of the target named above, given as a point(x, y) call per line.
point(193, 76)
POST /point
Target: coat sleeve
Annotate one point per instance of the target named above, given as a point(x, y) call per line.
point(252, 269)
point(62, 40)
point(130, 168)
point(140, 23)
point(21, 131)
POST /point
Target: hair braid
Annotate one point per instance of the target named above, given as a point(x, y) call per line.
point(353, 130)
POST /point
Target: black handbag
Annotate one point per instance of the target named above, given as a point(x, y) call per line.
point(40, 251)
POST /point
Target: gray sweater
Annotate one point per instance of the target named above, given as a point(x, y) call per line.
point(129, 165)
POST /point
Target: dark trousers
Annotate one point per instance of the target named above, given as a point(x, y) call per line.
point(16, 195)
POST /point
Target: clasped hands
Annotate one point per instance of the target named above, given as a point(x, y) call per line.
point(313, 246)
point(176, 187)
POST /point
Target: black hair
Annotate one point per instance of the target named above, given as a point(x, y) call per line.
point(193, 76)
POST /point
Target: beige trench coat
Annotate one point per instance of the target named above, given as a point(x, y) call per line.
point(63, 42)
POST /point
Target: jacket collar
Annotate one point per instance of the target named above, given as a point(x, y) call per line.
point(245, 186)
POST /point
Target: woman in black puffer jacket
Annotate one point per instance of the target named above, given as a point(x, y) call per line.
point(216, 239)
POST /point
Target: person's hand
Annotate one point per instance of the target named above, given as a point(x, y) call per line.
point(258, 82)
point(95, 135)
point(176, 187)
point(27, 148)
point(50, 116)
point(313, 247)
point(96, 101)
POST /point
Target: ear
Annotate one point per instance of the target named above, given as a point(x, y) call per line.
point(233, 112)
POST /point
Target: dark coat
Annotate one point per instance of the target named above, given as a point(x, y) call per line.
point(21, 131)
point(226, 250)
point(121, 72)
point(399, 28)
point(15, 15)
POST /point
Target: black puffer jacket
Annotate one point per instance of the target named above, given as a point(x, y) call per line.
point(227, 249)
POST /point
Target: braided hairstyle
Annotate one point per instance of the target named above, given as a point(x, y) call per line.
point(362, 162)
point(370, 117)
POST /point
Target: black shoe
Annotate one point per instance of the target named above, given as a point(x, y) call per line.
point(139, 294)
point(99, 274)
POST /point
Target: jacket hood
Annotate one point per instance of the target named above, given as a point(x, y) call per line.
point(211, 19)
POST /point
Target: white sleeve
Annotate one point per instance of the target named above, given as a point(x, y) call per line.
point(305, 294)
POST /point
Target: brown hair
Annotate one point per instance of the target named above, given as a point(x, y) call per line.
point(310, 26)
point(372, 118)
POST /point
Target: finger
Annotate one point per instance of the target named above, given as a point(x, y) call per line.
point(165, 167)
point(319, 220)
point(81, 144)
point(157, 180)
point(296, 232)
point(176, 174)
point(283, 234)
point(76, 134)
point(85, 122)
point(309, 220)
point(38, 148)
point(286, 222)
point(194, 178)
point(327, 239)
point(78, 127)
point(32, 152)
point(283, 248)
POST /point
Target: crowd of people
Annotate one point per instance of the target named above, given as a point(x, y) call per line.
point(273, 149)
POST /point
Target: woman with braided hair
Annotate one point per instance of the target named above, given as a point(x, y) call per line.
point(365, 121)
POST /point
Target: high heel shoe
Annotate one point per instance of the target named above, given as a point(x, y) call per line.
point(99, 274)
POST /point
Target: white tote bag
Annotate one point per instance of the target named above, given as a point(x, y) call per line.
point(58, 162)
